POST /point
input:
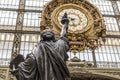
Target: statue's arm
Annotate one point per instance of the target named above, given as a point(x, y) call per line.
point(65, 22)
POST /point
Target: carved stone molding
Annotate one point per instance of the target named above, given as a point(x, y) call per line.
point(77, 73)
point(82, 73)
point(4, 72)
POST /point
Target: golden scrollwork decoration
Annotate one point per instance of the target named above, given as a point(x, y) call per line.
point(86, 29)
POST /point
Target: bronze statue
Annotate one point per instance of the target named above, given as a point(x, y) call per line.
point(47, 60)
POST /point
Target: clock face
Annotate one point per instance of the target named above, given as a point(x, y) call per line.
point(78, 20)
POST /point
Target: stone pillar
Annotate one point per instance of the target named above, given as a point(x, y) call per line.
point(18, 34)
point(18, 29)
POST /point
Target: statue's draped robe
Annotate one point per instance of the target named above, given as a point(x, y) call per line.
point(46, 62)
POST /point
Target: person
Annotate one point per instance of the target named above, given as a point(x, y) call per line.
point(48, 59)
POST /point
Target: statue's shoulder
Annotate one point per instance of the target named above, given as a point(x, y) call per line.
point(64, 39)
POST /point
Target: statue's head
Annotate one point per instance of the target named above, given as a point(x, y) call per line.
point(47, 35)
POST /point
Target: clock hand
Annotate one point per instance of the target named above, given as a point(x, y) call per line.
point(73, 24)
point(72, 19)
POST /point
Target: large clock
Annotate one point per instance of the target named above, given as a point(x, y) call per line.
point(80, 19)
point(86, 25)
